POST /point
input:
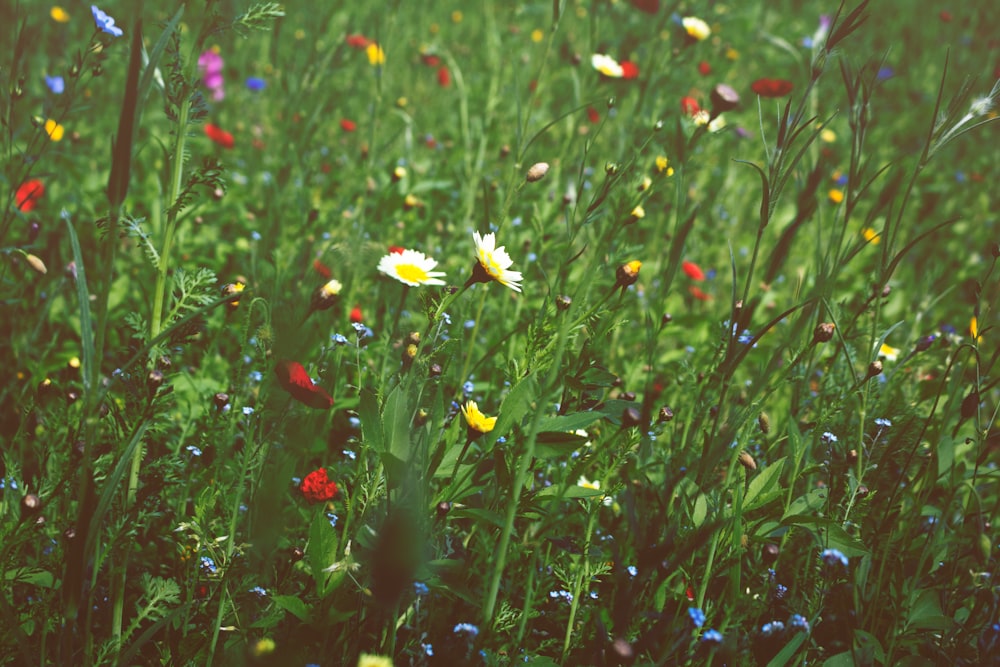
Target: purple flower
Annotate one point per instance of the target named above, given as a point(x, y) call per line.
point(885, 72)
point(105, 23)
point(256, 84)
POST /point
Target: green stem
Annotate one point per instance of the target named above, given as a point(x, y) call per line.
point(581, 573)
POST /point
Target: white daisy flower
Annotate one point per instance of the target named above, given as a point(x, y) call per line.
point(411, 267)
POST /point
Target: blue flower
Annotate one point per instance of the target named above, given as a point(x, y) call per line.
point(697, 616)
point(834, 557)
point(712, 636)
point(55, 84)
point(247, 410)
point(255, 83)
point(466, 628)
point(798, 622)
point(772, 628)
point(632, 570)
point(105, 22)
point(883, 422)
point(828, 438)
point(885, 72)
point(259, 591)
point(208, 565)
point(420, 588)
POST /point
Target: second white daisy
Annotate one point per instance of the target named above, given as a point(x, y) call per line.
point(411, 267)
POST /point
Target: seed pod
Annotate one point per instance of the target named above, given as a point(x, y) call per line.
point(666, 414)
point(874, 368)
point(764, 422)
point(747, 461)
point(823, 332)
point(631, 417)
point(537, 172)
point(296, 554)
point(563, 302)
point(628, 396)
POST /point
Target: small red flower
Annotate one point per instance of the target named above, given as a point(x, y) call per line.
point(592, 115)
point(28, 194)
point(396, 250)
point(348, 125)
point(294, 379)
point(771, 87)
point(704, 68)
point(356, 316)
point(430, 59)
point(692, 270)
point(690, 106)
point(629, 69)
point(689, 593)
point(317, 487)
point(945, 16)
point(359, 42)
point(698, 294)
point(444, 77)
point(219, 136)
point(322, 269)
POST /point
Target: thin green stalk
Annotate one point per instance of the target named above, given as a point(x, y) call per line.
point(582, 572)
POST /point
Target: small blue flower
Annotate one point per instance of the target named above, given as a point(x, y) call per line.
point(468, 324)
point(564, 594)
point(55, 84)
point(798, 622)
point(428, 649)
point(255, 235)
point(828, 438)
point(772, 628)
point(247, 410)
point(833, 558)
point(256, 84)
point(420, 588)
point(333, 519)
point(349, 454)
point(807, 42)
point(193, 450)
point(261, 592)
point(697, 616)
point(883, 422)
point(712, 636)
point(208, 565)
point(468, 388)
point(339, 339)
point(632, 570)
point(255, 376)
point(355, 422)
point(105, 22)
point(780, 591)
point(466, 628)
point(885, 72)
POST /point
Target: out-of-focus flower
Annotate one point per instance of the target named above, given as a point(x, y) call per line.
point(219, 136)
point(294, 379)
point(54, 130)
point(444, 76)
point(367, 660)
point(317, 487)
point(692, 270)
point(627, 274)
point(210, 64)
point(585, 483)
point(376, 56)
point(355, 316)
point(493, 263)
point(59, 15)
point(871, 235)
point(607, 66)
point(629, 70)
point(695, 28)
point(359, 42)
point(827, 136)
point(835, 195)
point(104, 22)
point(712, 636)
point(477, 422)
point(974, 328)
point(348, 125)
point(888, 352)
point(698, 293)
point(255, 83)
point(537, 35)
point(56, 84)
point(233, 289)
point(834, 558)
point(28, 194)
point(689, 106)
point(771, 87)
point(663, 166)
point(326, 295)
point(704, 68)
point(697, 616)
point(411, 267)
point(537, 172)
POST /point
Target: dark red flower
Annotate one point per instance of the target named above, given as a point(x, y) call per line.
point(317, 487)
point(444, 77)
point(348, 125)
point(945, 16)
point(690, 106)
point(592, 115)
point(629, 69)
point(430, 59)
point(771, 87)
point(28, 194)
point(356, 316)
point(294, 379)
point(648, 6)
point(219, 136)
point(322, 269)
point(359, 42)
point(692, 270)
point(704, 68)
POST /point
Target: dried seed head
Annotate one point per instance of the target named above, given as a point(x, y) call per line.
point(747, 461)
point(724, 98)
point(537, 172)
point(666, 414)
point(563, 302)
point(631, 417)
point(221, 400)
point(30, 504)
point(874, 368)
point(764, 422)
point(823, 332)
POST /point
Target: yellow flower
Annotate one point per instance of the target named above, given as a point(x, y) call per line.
point(696, 28)
point(456, 16)
point(638, 212)
point(54, 130)
point(263, 647)
point(974, 328)
point(646, 182)
point(587, 484)
point(732, 54)
point(827, 136)
point(607, 66)
point(537, 35)
point(367, 660)
point(493, 263)
point(59, 15)
point(890, 353)
point(836, 196)
point(376, 56)
point(663, 166)
point(871, 235)
point(476, 420)
point(627, 274)
point(411, 267)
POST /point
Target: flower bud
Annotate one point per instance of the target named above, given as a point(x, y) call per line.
point(724, 98)
point(747, 461)
point(155, 379)
point(421, 417)
point(504, 151)
point(296, 554)
point(666, 414)
point(627, 273)
point(413, 338)
point(666, 319)
point(769, 554)
point(30, 504)
point(35, 263)
point(563, 302)
point(631, 417)
point(823, 332)
point(874, 368)
point(435, 370)
point(221, 400)
point(764, 422)
point(537, 172)
point(443, 508)
point(233, 289)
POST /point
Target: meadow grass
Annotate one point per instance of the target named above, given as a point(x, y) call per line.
point(583, 333)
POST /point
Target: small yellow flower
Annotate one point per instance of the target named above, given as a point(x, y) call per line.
point(376, 56)
point(871, 235)
point(627, 274)
point(456, 16)
point(696, 28)
point(434, 28)
point(836, 196)
point(300, 34)
point(827, 136)
point(263, 647)
point(476, 420)
point(537, 35)
point(587, 484)
point(59, 15)
point(974, 328)
point(645, 183)
point(890, 353)
point(54, 130)
point(732, 54)
point(367, 660)
point(663, 166)
point(638, 212)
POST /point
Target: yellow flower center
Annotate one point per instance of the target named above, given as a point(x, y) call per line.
point(490, 264)
point(411, 273)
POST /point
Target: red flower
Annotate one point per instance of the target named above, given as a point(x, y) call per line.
point(317, 487)
point(396, 250)
point(945, 16)
point(322, 269)
point(771, 87)
point(294, 379)
point(359, 42)
point(356, 315)
point(648, 6)
point(698, 294)
point(219, 136)
point(704, 68)
point(348, 125)
point(592, 115)
point(430, 59)
point(28, 194)
point(629, 69)
point(444, 77)
point(692, 270)
point(690, 106)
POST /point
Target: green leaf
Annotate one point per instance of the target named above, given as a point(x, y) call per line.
point(83, 296)
point(807, 505)
point(568, 423)
point(840, 660)
point(321, 551)
point(294, 606)
point(396, 419)
point(790, 649)
point(571, 492)
point(700, 512)
point(33, 576)
point(481, 515)
point(764, 487)
point(371, 423)
point(515, 406)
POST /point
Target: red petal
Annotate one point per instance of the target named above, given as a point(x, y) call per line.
point(28, 194)
point(704, 68)
point(771, 87)
point(358, 41)
point(629, 69)
point(294, 379)
point(430, 59)
point(692, 270)
point(396, 250)
point(648, 6)
point(356, 314)
point(690, 106)
point(698, 294)
point(348, 125)
point(322, 269)
point(444, 77)
point(592, 115)
point(219, 136)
